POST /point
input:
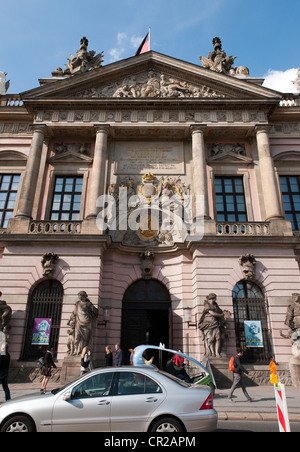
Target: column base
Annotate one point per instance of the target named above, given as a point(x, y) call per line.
point(18, 225)
point(280, 227)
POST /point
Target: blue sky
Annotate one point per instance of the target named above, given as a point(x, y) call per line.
point(37, 36)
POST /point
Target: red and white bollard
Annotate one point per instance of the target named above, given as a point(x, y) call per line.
point(282, 409)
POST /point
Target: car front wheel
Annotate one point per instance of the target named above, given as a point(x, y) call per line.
point(167, 425)
point(18, 424)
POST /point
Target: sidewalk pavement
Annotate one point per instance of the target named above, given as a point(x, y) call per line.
point(263, 407)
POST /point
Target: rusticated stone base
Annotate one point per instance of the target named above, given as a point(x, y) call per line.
point(70, 369)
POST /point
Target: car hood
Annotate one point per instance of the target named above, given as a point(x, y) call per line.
point(27, 398)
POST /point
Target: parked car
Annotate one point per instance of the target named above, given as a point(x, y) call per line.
point(126, 399)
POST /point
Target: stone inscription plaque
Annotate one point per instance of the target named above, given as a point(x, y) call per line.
point(140, 157)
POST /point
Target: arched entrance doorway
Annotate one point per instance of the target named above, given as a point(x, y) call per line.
point(145, 315)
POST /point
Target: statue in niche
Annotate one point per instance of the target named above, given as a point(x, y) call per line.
point(213, 325)
point(248, 264)
point(5, 317)
point(82, 324)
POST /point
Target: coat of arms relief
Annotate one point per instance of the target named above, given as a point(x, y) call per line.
point(153, 84)
point(151, 210)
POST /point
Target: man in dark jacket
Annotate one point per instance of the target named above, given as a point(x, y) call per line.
point(118, 360)
point(238, 377)
point(4, 366)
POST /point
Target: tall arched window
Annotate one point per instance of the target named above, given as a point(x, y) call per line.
point(45, 301)
point(249, 304)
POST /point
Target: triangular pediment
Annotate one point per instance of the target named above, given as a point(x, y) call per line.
point(228, 153)
point(71, 153)
point(151, 76)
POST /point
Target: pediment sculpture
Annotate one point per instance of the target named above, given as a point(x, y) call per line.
point(219, 61)
point(153, 84)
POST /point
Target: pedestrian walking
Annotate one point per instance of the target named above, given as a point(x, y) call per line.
point(86, 363)
point(4, 367)
point(108, 356)
point(238, 381)
point(47, 369)
point(118, 361)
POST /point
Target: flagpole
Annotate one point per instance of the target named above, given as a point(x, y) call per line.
point(149, 38)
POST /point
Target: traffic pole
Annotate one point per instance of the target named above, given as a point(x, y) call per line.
point(282, 408)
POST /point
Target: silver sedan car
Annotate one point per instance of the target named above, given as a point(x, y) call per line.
point(115, 399)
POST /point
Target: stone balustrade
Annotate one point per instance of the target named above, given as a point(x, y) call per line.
point(245, 229)
point(55, 227)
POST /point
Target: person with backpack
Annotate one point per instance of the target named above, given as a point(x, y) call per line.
point(238, 371)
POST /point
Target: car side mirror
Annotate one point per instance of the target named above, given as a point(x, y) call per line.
point(67, 397)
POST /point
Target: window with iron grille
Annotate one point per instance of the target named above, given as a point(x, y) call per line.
point(45, 301)
point(230, 199)
point(9, 184)
point(290, 189)
point(66, 198)
point(249, 304)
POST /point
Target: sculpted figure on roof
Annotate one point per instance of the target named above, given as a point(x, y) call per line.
point(83, 61)
point(218, 61)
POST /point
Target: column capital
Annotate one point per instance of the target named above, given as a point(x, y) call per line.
point(38, 127)
point(198, 128)
point(259, 128)
point(102, 128)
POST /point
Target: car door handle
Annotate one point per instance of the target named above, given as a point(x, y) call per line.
point(103, 402)
point(151, 399)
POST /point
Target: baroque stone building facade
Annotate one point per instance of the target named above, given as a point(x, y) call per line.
point(196, 170)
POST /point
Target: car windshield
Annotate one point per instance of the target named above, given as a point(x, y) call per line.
point(57, 390)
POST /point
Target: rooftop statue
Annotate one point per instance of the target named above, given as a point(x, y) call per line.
point(297, 81)
point(83, 61)
point(218, 61)
point(4, 84)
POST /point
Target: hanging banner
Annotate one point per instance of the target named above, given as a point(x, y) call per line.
point(253, 334)
point(41, 331)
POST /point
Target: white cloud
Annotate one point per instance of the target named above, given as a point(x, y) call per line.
point(125, 45)
point(281, 80)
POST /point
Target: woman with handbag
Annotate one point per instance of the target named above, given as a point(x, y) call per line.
point(85, 360)
point(46, 370)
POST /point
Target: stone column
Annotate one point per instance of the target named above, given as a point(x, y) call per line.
point(27, 195)
point(97, 185)
point(199, 168)
point(268, 177)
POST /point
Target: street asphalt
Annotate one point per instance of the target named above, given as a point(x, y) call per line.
point(263, 407)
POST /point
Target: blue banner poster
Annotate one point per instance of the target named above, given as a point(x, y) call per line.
point(41, 331)
point(253, 333)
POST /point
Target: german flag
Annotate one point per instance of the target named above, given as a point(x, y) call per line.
point(145, 45)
